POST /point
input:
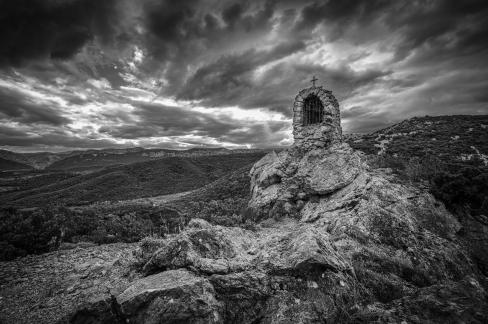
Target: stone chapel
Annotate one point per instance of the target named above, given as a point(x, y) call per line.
point(316, 118)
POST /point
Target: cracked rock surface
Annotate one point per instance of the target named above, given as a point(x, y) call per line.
point(290, 271)
point(44, 288)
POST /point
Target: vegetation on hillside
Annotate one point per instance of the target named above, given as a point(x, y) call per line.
point(222, 202)
point(460, 185)
point(39, 230)
point(450, 138)
point(143, 179)
point(12, 165)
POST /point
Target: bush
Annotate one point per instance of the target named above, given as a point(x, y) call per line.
point(467, 188)
point(39, 230)
point(459, 185)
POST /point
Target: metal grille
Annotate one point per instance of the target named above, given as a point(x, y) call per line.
point(313, 110)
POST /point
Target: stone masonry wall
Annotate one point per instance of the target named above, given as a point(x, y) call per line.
point(323, 134)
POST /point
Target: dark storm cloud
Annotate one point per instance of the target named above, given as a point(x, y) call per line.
point(11, 132)
point(178, 23)
point(48, 138)
point(231, 73)
point(178, 34)
point(232, 13)
point(169, 20)
point(15, 107)
point(340, 13)
point(414, 22)
point(38, 29)
point(456, 26)
point(229, 81)
point(160, 120)
point(274, 95)
point(55, 140)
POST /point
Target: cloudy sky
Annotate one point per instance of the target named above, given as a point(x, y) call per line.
point(190, 73)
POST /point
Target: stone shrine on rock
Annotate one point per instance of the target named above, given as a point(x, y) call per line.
point(316, 118)
point(293, 181)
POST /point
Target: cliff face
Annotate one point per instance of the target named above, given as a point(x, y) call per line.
point(337, 242)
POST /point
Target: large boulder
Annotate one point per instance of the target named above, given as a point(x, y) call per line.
point(174, 296)
point(282, 184)
point(206, 248)
point(298, 253)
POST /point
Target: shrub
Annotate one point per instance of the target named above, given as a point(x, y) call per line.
point(467, 188)
point(39, 230)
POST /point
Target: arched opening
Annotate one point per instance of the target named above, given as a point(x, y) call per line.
point(313, 110)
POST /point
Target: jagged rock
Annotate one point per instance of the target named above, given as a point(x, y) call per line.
point(204, 247)
point(244, 294)
point(174, 296)
point(453, 302)
point(300, 252)
point(97, 311)
point(285, 182)
point(301, 272)
point(325, 173)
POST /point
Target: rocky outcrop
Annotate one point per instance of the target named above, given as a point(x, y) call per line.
point(303, 272)
point(337, 242)
point(174, 296)
point(202, 248)
point(294, 180)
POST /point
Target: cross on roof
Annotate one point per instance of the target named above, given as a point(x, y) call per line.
point(313, 80)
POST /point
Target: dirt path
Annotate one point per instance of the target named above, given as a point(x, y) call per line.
point(163, 199)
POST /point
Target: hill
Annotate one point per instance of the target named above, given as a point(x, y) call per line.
point(142, 179)
point(91, 160)
point(450, 138)
point(34, 160)
point(9, 165)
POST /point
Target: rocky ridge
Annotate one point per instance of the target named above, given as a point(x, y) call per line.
point(336, 242)
point(96, 159)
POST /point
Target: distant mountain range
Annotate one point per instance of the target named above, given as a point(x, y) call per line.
point(97, 159)
point(461, 137)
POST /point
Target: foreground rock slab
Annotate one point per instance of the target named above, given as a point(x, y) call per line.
point(299, 272)
point(170, 297)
